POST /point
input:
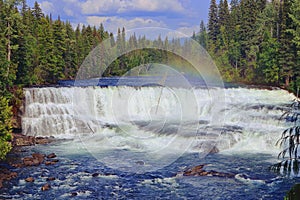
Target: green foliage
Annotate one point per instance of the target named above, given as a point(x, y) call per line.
point(290, 142)
point(294, 193)
point(257, 41)
point(5, 127)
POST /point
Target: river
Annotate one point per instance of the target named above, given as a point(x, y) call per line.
point(139, 138)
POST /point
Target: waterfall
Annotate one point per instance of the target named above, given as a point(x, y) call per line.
point(233, 116)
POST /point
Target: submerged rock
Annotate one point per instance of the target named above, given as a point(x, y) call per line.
point(29, 179)
point(51, 179)
point(46, 187)
point(39, 157)
point(195, 171)
point(51, 155)
point(74, 194)
point(140, 162)
point(199, 171)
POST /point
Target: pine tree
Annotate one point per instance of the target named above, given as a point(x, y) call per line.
point(213, 24)
point(294, 30)
point(59, 42)
point(287, 48)
point(248, 38)
point(70, 56)
point(203, 37)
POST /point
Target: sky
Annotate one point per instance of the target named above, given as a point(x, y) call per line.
point(179, 15)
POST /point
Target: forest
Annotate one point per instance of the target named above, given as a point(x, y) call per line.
point(251, 41)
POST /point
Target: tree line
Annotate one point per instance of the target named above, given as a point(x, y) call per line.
point(255, 41)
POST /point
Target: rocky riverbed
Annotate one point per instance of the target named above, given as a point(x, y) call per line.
point(15, 160)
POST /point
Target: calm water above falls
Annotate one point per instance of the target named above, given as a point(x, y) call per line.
point(138, 139)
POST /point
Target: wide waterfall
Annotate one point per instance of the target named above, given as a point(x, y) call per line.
point(147, 117)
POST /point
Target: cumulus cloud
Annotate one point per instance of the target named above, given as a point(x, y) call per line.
point(69, 12)
point(183, 32)
point(47, 7)
point(113, 23)
point(124, 6)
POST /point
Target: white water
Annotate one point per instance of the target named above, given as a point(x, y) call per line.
point(154, 119)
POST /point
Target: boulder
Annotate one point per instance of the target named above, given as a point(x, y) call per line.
point(51, 155)
point(35, 160)
point(46, 187)
point(74, 194)
point(195, 171)
point(22, 140)
point(29, 179)
point(199, 171)
point(39, 157)
point(51, 179)
point(51, 162)
point(41, 140)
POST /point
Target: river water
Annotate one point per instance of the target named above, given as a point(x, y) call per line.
point(140, 138)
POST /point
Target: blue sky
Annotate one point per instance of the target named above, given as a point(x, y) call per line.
point(180, 15)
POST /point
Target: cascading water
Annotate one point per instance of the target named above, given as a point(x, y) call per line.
point(150, 116)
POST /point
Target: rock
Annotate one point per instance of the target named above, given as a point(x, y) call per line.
point(49, 163)
point(74, 194)
point(214, 150)
point(28, 161)
point(51, 179)
point(195, 171)
point(22, 140)
point(17, 165)
point(52, 155)
point(95, 174)
point(53, 162)
point(46, 187)
point(39, 157)
point(35, 160)
point(199, 171)
point(140, 162)
point(29, 179)
point(41, 140)
point(6, 175)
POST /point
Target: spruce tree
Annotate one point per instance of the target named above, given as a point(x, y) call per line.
point(213, 25)
point(287, 48)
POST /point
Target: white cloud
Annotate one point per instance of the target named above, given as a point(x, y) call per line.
point(47, 7)
point(113, 23)
point(123, 6)
point(183, 32)
point(188, 30)
point(69, 12)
